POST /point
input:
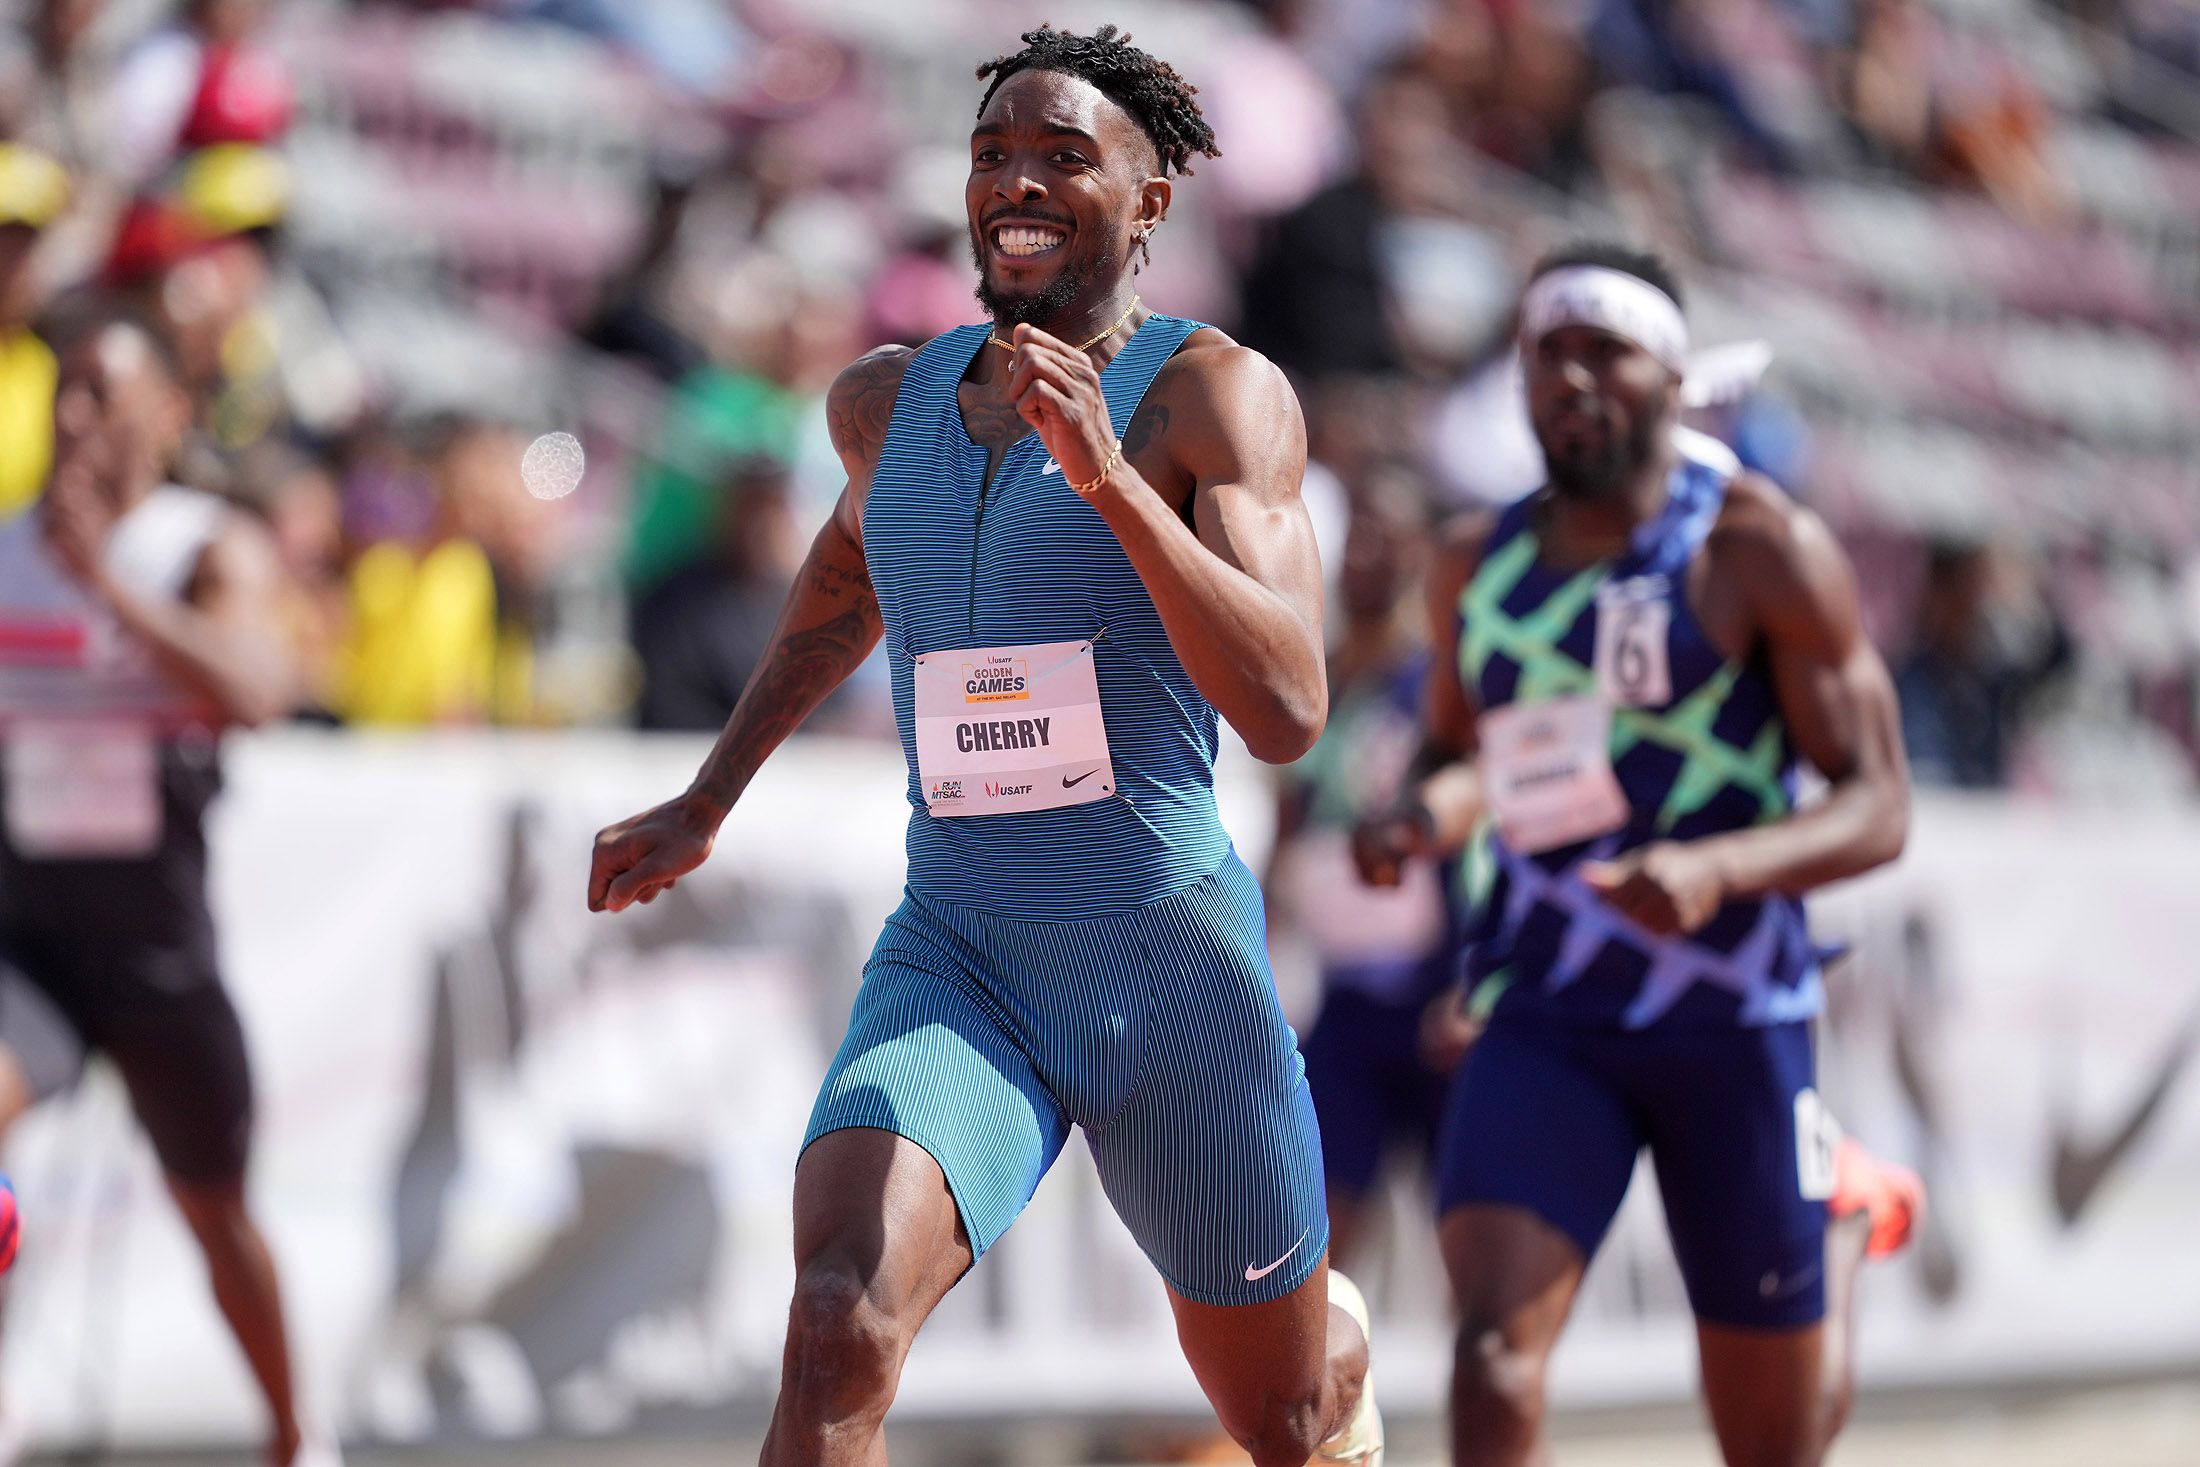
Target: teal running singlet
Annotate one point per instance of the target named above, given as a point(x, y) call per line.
point(959, 564)
point(1078, 946)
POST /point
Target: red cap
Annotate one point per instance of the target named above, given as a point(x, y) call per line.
point(243, 97)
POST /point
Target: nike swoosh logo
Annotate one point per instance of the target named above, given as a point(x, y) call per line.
point(1051, 468)
point(1068, 783)
point(2077, 1170)
point(1771, 1286)
point(1255, 1275)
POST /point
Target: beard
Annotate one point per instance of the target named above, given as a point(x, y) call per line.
point(1040, 306)
point(1597, 471)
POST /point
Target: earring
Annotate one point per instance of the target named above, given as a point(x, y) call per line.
point(1145, 251)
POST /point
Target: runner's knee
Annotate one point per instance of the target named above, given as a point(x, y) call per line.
point(843, 1351)
point(1287, 1431)
point(1496, 1383)
point(214, 1211)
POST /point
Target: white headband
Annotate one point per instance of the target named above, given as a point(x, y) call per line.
point(1613, 300)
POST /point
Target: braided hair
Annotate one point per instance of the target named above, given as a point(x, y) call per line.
point(1147, 88)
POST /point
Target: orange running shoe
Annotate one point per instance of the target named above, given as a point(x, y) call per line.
point(1892, 1196)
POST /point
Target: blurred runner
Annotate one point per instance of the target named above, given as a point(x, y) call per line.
point(1078, 529)
point(1636, 657)
point(137, 620)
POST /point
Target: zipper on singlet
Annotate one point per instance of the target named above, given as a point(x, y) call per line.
point(977, 522)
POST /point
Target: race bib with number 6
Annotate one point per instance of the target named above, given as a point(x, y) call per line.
point(1632, 668)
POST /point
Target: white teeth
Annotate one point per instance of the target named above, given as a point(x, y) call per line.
point(1024, 239)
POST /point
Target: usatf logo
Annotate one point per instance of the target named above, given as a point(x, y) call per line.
point(997, 679)
point(997, 790)
point(945, 789)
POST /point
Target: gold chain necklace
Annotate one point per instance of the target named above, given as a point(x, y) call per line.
point(1116, 326)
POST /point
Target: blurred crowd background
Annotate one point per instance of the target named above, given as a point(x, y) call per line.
point(397, 242)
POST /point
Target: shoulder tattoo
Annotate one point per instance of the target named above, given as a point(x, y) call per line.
point(861, 404)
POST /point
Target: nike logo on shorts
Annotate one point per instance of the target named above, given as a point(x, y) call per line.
point(1772, 1286)
point(1068, 783)
point(1051, 467)
point(1255, 1275)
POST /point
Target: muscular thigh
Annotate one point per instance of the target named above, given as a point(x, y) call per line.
point(159, 1012)
point(929, 1057)
point(1745, 1166)
point(1538, 1124)
point(1214, 1160)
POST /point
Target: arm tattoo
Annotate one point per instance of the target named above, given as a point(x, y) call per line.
point(1150, 422)
point(860, 407)
point(804, 667)
point(836, 581)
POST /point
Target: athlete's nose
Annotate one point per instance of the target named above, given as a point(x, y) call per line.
point(1017, 187)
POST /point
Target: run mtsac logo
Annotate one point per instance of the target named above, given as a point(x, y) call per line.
point(945, 789)
point(997, 679)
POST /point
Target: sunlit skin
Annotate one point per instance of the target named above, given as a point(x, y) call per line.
point(1054, 154)
point(1202, 495)
point(1602, 408)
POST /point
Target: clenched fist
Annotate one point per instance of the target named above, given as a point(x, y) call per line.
point(1670, 888)
point(640, 858)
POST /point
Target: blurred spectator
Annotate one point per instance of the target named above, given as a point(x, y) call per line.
point(33, 192)
point(1929, 101)
point(762, 397)
point(700, 632)
point(298, 498)
point(1678, 46)
point(635, 321)
point(199, 80)
point(1320, 297)
point(440, 623)
point(1986, 643)
point(261, 354)
point(1287, 131)
point(1536, 110)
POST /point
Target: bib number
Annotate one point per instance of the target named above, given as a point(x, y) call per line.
point(1632, 669)
point(82, 789)
point(1002, 730)
point(1547, 772)
point(1817, 1147)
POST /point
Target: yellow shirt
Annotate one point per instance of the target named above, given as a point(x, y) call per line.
point(423, 641)
point(27, 376)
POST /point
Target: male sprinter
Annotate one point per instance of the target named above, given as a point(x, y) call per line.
point(137, 620)
point(1638, 653)
point(1078, 529)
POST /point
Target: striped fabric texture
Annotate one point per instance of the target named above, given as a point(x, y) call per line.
point(1714, 757)
point(959, 563)
point(1157, 1030)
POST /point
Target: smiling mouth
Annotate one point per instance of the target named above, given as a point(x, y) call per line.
point(1026, 241)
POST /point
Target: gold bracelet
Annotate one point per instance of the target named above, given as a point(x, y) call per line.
point(1084, 490)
